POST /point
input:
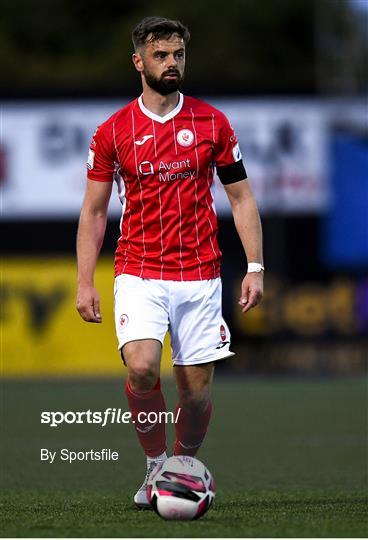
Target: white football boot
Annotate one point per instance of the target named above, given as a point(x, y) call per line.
point(140, 498)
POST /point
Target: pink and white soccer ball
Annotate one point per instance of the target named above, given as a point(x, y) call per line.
point(181, 488)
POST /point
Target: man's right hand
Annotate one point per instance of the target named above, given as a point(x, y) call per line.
point(88, 304)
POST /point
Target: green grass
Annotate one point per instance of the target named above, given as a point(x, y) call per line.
point(267, 514)
point(289, 458)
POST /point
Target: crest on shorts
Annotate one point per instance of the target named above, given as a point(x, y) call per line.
point(124, 319)
point(222, 332)
point(185, 137)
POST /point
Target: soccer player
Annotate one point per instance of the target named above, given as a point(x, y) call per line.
point(161, 149)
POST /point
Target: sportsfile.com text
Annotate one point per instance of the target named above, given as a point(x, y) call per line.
point(108, 416)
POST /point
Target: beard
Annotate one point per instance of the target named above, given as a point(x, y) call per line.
point(164, 86)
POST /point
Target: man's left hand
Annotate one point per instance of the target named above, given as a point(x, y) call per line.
point(251, 291)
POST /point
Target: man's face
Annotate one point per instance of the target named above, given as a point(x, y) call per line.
point(162, 64)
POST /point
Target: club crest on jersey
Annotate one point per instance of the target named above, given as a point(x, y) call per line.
point(124, 319)
point(185, 137)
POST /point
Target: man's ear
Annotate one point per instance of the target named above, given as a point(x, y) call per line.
point(137, 61)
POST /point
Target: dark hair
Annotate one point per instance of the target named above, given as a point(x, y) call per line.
point(158, 28)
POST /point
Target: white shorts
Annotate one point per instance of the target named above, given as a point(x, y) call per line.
point(190, 310)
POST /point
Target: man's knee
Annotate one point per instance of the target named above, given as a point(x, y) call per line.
point(143, 378)
point(193, 384)
point(143, 363)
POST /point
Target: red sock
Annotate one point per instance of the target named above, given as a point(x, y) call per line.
point(191, 429)
point(152, 439)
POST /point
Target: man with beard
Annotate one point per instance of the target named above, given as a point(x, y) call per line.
point(162, 149)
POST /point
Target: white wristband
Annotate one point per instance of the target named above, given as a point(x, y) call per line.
point(255, 267)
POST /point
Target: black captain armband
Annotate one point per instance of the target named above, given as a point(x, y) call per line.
point(232, 173)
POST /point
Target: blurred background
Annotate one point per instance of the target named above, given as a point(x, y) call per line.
point(292, 77)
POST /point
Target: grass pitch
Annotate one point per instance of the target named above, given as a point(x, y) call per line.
point(289, 458)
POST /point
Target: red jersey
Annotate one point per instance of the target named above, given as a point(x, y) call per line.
point(164, 167)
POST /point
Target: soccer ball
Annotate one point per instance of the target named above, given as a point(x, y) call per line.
point(181, 488)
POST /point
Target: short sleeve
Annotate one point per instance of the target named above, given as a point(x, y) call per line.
point(227, 149)
point(227, 154)
point(101, 155)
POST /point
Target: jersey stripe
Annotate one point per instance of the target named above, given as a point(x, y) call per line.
point(196, 195)
point(213, 129)
point(162, 233)
point(209, 221)
point(180, 238)
point(160, 203)
point(126, 199)
point(176, 148)
point(154, 137)
point(127, 239)
point(141, 192)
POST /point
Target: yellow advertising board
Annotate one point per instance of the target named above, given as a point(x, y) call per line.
point(42, 334)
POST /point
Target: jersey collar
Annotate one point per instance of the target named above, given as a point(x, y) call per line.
point(161, 119)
